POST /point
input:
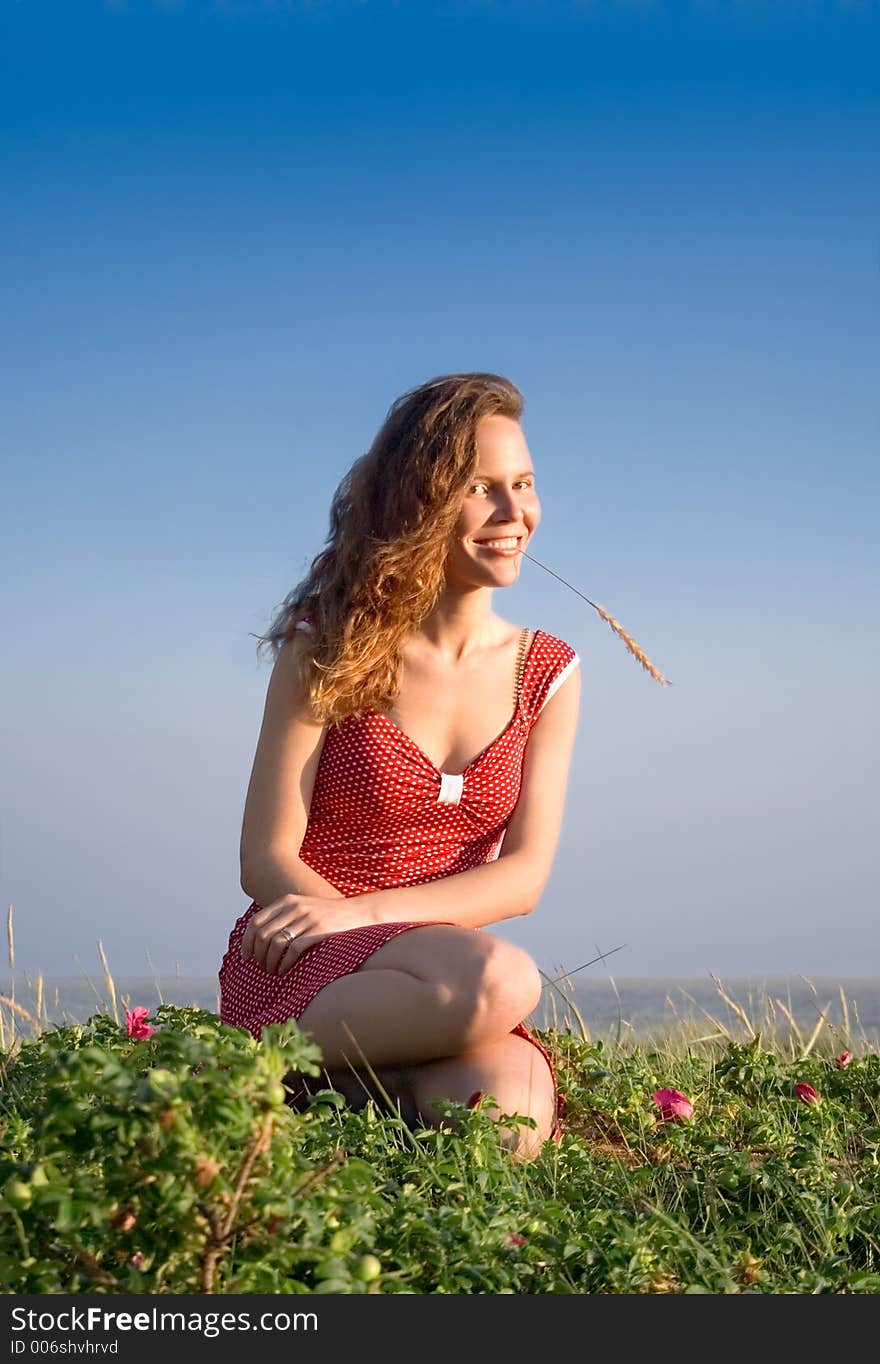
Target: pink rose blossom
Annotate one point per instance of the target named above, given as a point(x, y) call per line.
point(136, 1260)
point(807, 1093)
point(136, 1024)
point(674, 1106)
point(843, 1059)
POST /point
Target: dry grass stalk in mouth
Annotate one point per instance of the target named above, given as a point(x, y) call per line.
point(637, 652)
point(633, 647)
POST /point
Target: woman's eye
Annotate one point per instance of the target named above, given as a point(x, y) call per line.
point(522, 482)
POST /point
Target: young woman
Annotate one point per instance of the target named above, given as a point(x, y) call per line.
point(413, 762)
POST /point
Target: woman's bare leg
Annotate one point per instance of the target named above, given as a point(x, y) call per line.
point(512, 1070)
point(431, 992)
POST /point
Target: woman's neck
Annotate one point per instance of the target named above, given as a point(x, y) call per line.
point(457, 630)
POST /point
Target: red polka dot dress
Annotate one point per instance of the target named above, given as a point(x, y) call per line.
point(382, 815)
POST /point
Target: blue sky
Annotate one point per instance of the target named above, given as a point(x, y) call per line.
point(235, 232)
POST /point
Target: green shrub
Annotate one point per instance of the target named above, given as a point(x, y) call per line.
point(170, 1165)
point(173, 1165)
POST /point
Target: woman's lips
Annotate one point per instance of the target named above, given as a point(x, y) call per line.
point(504, 553)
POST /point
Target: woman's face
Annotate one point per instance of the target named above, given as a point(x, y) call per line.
point(500, 504)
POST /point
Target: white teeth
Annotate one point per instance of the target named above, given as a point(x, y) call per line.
point(502, 544)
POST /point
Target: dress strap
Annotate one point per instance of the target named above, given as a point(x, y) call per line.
point(520, 667)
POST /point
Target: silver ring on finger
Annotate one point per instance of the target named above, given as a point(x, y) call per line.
point(286, 933)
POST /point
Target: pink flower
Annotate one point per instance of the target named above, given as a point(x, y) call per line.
point(136, 1024)
point(807, 1093)
point(674, 1106)
point(136, 1260)
point(514, 1239)
point(843, 1059)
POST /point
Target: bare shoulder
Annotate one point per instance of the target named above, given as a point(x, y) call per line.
point(508, 634)
point(288, 693)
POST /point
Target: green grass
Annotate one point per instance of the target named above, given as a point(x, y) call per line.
point(171, 1164)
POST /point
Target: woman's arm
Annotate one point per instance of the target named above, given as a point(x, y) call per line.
point(514, 883)
point(273, 877)
point(280, 790)
point(482, 895)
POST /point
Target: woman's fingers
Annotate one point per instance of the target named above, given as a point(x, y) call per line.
point(272, 941)
point(294, 951)
point(276, 938)
point(279, 948)
point(262, 924)
point(278, 933)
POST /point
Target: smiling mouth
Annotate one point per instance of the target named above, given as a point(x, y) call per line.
point(507, 545)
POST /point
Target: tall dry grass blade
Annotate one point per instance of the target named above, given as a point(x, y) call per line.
point(108, 981)
point(10, 938)
point(2, 1033)
point(845, 1014)
point(88, 980)
point(637, 653)
point(17, 1008)
point(791, 1023)
point(11, 942)
point(711, 1017)
point(739, 1012)
point(815, 1033)
point(554, 1013)
point(592, 962)
point(680, 1023)
point(569, 1003)
point(865, 1043)
point(39, 1005)
point(619, 1032)
point(155, 975)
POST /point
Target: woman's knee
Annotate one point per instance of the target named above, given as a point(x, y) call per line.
point(490, 985)
point(511, 982)
point(495, 985)
point(498, 986)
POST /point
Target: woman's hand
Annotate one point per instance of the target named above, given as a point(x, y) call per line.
point(281, 931)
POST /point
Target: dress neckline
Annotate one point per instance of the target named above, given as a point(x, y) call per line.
point(483, 751)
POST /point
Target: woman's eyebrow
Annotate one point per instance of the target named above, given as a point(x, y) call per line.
point(527, 473)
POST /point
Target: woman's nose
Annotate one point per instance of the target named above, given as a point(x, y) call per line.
point(510, 501)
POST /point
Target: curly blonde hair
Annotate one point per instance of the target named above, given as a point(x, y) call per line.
point(384, 563)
